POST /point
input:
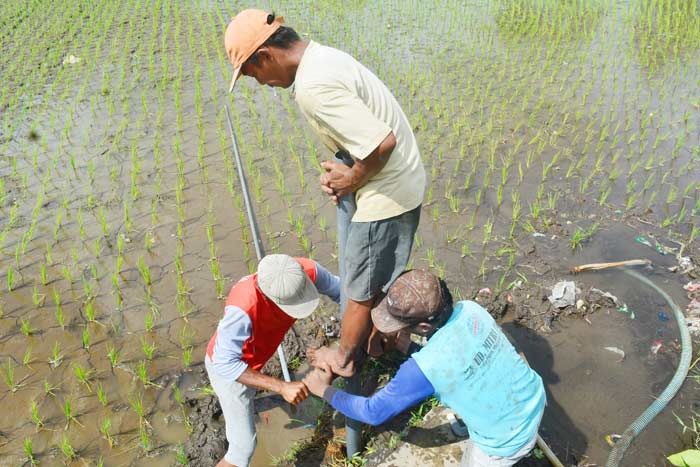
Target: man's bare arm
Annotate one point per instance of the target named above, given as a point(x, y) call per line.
point(293, 392)
point(339, 180)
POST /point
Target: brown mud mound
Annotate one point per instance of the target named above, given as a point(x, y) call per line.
point(207, 444)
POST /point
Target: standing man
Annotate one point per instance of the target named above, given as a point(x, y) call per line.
point(353, 113)
point(468, 364)
point(259, 311)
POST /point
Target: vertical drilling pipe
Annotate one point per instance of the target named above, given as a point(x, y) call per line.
point(345, 210)
point(253, 225)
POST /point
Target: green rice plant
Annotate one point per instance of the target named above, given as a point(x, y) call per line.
point(56, 355)
point(149, 320)
point(581, 235)
point(67, 449)
point(26, 327)
point(68, 413)
point(102, 395)
point(145, 272)
point(181, 456)
point(105, 428)
point(27, 357)
point(142, 374)
point(102, 219)
point(148, 348)
point(36, 417)
point(10, 279)
point(29, 451)
point(144, 438)
point(83, 376)
point(90, 311)
point(136, 403)
point(43, 275)
point(113, 355)
point(187, 356)
point(67, 274)
point(60, 319)
point(8, 374)
point(488, 229)
point(37, 298)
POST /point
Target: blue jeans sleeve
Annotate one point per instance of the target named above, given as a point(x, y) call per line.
point(405, 390)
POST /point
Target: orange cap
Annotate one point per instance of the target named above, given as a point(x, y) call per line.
point(245, 33)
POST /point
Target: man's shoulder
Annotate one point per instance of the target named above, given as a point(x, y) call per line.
point(322, 69)
point(243, 294)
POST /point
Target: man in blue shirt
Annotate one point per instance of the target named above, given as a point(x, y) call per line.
point(468, 364)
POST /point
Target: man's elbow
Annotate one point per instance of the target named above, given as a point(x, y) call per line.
point(388, 144)
point(377, 419)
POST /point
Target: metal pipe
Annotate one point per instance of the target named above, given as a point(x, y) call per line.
point(253, 225)
point(345, 210)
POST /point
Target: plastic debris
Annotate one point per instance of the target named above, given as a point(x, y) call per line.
point(617, 351)
point(538, 235)
point(692, 311)
point(660, 249)
point(71, 60)
point(625, 310)
point(663, 317)
point(563, 294)
point(643, 241)
point(656, 346)
point(580, 304)
point(685, 263)
point(612, 438)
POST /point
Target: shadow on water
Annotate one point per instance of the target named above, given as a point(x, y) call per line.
point(557, 427)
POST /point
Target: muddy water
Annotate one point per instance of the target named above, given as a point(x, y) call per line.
point(592, 392)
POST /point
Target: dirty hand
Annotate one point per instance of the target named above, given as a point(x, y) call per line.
point(294, 392)
point(319, 357)
point(337, 177)
point(318, 380)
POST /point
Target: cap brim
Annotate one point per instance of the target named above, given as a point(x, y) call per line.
point(236, 74)
point(385, 321)
point(306, 304)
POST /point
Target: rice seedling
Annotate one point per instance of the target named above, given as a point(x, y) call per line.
point(105, 427)
point(36, 417)
point(8, 375)
point(148, 348)
point(26, 327)
point(56, 355)
point(67, 449)
point(581, 235)
point(141, 372)
point(68, 413)
point(113, 355)
point(27, 358)
point(29, 451)
point(83, 375)
point(60, 319)
point(145, 272)
point(10, 279)
point(102, 395)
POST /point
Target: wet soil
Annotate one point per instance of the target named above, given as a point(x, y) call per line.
point(603, 359)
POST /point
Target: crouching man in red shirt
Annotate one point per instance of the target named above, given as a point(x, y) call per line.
point(259, 311)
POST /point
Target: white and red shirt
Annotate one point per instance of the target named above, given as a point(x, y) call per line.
point(253, 326)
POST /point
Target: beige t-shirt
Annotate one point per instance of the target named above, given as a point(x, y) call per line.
point(351, 109)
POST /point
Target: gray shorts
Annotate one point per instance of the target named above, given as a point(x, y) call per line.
point(236, 402)
point(377, 252)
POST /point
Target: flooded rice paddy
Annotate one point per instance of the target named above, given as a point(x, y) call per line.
point(122, 224)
